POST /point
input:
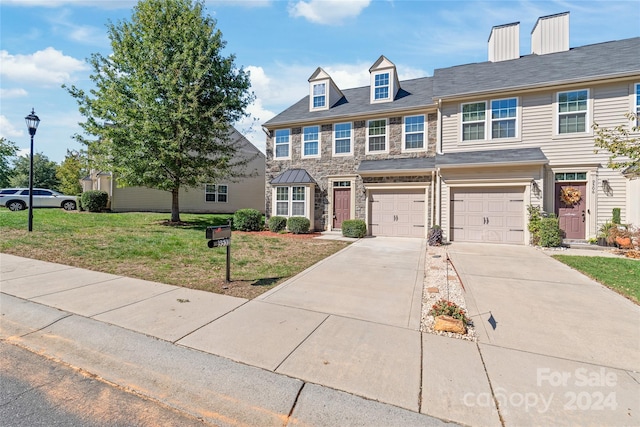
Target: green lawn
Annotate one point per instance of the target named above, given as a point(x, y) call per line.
point(142, 245)
point(620, 274)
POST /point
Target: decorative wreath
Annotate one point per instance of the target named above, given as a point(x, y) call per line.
point(570, 195)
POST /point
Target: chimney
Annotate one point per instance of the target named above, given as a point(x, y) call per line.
point(550, 34)
point(504, 42)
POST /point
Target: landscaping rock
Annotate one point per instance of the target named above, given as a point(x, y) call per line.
point(449, 324)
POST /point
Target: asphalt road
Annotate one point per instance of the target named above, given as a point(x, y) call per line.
point(36, 391)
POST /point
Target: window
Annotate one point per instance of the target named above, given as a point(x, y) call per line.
point(282, 144)
point(473, 121)
point(290, 201)
point(381, 86)
point(215, 193)
point(310, 142)
point(342, 138)
point(503, 118)
point(9, 191)
point(413, 132)
point(319, 95)
point(377, 135)
point(571, 176)
point(572, 111)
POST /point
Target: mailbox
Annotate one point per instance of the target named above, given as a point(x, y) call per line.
point(219, 232)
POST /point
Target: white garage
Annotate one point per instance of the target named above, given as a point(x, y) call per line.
point(397, 213)
point(487, 215)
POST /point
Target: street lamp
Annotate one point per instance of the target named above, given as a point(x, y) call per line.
point(32, 123)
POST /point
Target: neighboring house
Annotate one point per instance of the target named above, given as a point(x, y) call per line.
point(469, 148)
point(214, 197)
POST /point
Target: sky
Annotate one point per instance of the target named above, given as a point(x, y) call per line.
point(45, 44)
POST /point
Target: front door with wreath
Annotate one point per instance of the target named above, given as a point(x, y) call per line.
point(571, 205)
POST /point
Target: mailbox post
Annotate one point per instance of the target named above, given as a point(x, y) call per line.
point(221, 236)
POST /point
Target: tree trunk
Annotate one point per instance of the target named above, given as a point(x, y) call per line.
point(175, 206)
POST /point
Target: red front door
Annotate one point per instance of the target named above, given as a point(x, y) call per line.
point(341, 206)
point(571, 212)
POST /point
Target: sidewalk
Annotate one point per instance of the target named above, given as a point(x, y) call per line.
point(339, 344)
point(336, 345)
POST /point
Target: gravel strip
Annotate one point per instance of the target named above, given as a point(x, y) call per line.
point(439, 273)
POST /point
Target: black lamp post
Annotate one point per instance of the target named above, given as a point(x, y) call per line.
point(32, 123)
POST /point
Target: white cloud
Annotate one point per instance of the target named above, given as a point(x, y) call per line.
point(45, 67)
point(12, 93)
point(7, 130)
point(328, 12)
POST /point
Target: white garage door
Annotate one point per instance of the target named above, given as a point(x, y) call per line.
point(493, 215)
point(398, 213)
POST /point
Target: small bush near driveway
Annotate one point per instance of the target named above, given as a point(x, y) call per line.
point(354, 228)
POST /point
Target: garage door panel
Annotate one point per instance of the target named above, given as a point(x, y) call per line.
point(397, 213)
point(494, 215)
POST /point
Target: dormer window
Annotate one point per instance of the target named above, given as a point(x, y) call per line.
point(384, 81)
point(381, 86)
point(323, 92)
point(319, 95)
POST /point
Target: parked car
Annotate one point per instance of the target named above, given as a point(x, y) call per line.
point(17, 199)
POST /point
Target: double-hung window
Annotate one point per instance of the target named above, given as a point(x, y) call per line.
point(473, 121)
point(503, 118)
point(572, 111)
point(290, 201)
point(319, 95)
point(414, 132)
point(377, 135)
point(381, 86)
point(494, 119)
point(342, 139)
point(282, 144)
point(216, 193)
point(310, 141)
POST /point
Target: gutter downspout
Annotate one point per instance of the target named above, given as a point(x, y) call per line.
point(438, 197)
point(433, 200)
point(439, 131)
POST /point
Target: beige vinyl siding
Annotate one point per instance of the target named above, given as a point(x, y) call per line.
point(607, 105)
point(633, 202)
point(615, 198)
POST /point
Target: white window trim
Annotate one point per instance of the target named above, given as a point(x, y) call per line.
point(389, 86)
point(326, 96)
point(216, 193)
point(333, 140)
point(587, 120)
point(275, 156)
point(489, 130)
point(290, 200)
point(302, 142)
point(488, 122)
point(462, 122)
point(386, 138)
point(424, 134)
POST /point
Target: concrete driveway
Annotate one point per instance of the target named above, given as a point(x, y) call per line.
point(556, 345)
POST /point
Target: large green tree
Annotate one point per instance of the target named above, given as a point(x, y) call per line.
point(622, 142)
point(44, 172)
point(8, 150)
point(71, 171)
point(164, 100)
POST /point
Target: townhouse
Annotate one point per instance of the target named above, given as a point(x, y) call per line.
point(469, 149)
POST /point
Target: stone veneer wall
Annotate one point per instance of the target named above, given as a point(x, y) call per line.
point(328, 165)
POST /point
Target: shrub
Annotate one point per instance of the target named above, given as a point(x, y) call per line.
point(616, 216)
point(448, 308)
point(298, 225)
point(434, 236)
point(94, 200)
point(248, 220)
point(354, 228)
point(277, 223)
point(535, 219)
point(550, 233)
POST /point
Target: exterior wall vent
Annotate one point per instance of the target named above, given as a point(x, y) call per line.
point(550, 34)
point(504, 42)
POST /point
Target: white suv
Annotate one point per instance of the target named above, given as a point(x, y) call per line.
point(17, 199)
